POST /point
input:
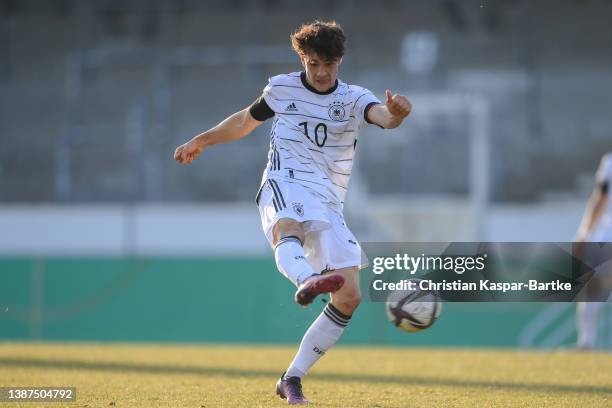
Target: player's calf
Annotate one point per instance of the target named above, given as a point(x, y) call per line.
point(319, 338)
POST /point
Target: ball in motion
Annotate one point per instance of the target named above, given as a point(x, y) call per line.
point(413, 310)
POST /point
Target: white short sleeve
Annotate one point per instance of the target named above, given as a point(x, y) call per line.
point(279, 88)
point(363, 98)
point(267, 94)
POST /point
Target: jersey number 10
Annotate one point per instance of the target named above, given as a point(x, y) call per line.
point(317, 140)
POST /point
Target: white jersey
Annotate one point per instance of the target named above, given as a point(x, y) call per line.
point(314, 135)
point(603, 230)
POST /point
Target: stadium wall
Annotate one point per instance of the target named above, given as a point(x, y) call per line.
point(215, 299)
point(205, 274)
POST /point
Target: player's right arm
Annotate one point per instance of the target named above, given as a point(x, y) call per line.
point(233, 128)
point(595, 208)
point(598, 201)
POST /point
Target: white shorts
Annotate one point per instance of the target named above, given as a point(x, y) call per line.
point(329, 244)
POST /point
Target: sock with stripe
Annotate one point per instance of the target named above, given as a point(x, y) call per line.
point(291, 261)
point(320, 337)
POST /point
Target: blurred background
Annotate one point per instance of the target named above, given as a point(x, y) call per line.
point(104, 237)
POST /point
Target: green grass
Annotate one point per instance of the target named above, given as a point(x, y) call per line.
point(136, 375)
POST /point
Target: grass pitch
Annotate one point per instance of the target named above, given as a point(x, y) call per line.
point(135, 375)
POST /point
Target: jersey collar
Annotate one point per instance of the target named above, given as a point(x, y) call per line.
point(311, 89)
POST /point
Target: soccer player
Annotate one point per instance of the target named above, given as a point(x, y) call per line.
point(317, 118)
point(596, 226)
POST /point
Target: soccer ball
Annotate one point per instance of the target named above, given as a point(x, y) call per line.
point(413, 310)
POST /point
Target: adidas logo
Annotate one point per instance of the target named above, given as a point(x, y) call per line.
point(291, 108)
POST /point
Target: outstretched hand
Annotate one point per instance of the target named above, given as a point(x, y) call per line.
point(398, 105)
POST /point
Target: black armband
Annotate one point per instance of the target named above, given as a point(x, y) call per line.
point(603, 187)
point(365, 114)
point(260, 110)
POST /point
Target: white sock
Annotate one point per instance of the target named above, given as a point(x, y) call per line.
point(291, 261)
point(320, 337)
point(587, 316)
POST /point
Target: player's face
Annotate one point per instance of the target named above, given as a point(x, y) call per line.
point(321, 74)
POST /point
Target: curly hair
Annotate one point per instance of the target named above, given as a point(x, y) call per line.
point(323, 38)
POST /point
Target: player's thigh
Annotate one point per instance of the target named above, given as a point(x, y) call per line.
point(286, 227)
point(288, 209)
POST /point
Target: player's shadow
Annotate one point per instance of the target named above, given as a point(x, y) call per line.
point(223, 371)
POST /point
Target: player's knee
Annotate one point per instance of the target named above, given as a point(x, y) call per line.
point(287, 227)
point(348, 301)
point(354, 301)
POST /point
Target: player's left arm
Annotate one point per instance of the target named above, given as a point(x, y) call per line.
point(392, 113)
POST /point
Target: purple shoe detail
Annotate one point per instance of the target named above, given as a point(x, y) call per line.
point(290, 388)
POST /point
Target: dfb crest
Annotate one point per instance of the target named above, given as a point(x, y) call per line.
point(298, 208)
point(336, 111)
